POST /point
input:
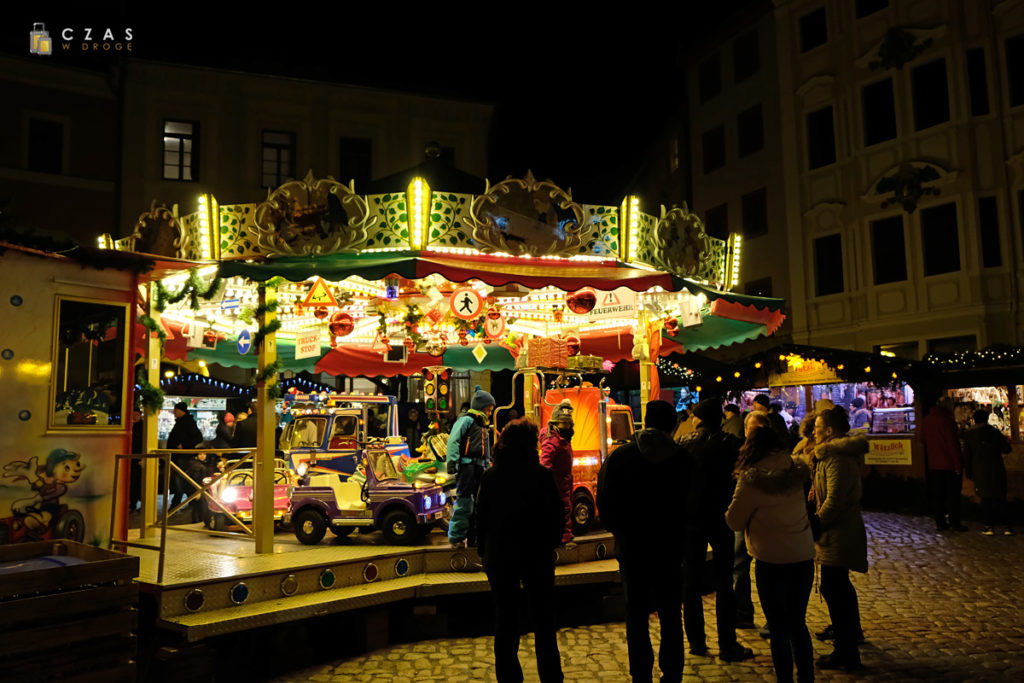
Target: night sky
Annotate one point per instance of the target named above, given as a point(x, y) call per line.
point(579, 95)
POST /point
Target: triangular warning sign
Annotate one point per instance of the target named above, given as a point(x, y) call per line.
point(610, 299)
point(320, 295)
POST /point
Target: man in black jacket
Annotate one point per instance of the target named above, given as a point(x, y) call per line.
point(713, 455)
point(641, 493)
point(246, 427)
point(184, 434)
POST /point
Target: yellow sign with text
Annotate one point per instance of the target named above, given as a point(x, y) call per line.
point(803, 372)
point(888, 452)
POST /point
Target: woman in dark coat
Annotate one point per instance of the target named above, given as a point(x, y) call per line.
point(519, 524)
point(984, 447)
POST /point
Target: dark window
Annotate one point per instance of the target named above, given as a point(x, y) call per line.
point(713, 143)
point(821, 138)
point(828, 265)
point(1015, 69)
point(866, 7)
point(1020, 210)
point(952, 344)
point(879, 112)
point(746, 61)
point(755, 213)
point(813, 30)
point(977, 79)
point(940, 238)
point(278, 157)
point(988, 226)
point(749, 131)
point(716, 221)
point(931, 94)
point(45, 146)
point(355, 158)
point(888, 250)
point(762, 287)
point(181, 150)
point(709, 78)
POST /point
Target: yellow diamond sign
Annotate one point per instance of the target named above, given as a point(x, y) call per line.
point(479, 352)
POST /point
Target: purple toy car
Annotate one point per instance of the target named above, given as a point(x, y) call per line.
point(378, 499)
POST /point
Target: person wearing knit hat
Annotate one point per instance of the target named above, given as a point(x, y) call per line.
point(556, 455)
point(468, 455)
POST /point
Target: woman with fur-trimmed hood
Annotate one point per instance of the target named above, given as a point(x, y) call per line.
point(769, 507)
point(842, 545)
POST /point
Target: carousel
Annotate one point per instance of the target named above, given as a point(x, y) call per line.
point(417, 281)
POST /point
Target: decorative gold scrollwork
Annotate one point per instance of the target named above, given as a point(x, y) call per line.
point(528, 216)
point(312, 216)
point(158, 231)
point(680, 244)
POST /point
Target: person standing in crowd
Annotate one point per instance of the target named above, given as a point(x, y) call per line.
point(945, 464)
point(638, 482)
point(712, 454)
point(733, 421)
point(860, 417)
point(556, 455)
point(683, 426)
point(769, 507)
point(984, 447)
point(520, 522)
point(762, 404)
point(467, 455)
point(804, 449)
point(184, 434)
point(225, 432)
point(246, 428)
point(412, 431)
point(842, 545)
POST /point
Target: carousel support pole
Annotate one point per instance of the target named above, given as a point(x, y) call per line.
point(263, 463)
point(645, 366)
point(151, 466)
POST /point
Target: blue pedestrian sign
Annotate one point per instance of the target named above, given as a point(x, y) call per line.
point(244, 342)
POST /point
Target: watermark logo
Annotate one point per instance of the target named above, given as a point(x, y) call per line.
point(80, 39)
point(39, 40)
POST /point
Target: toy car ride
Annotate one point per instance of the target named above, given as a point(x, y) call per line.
point(232, 493)
point(374, 498)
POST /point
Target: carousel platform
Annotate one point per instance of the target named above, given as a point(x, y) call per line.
point(215, 585)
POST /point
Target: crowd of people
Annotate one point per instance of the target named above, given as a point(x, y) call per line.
point(727, 481)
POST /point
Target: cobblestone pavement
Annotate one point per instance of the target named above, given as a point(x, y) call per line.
point(934, 606)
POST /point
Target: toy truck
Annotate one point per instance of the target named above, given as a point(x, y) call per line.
point(601, 425)
point(373, 496)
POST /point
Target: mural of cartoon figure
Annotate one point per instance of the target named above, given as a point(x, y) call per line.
point(42, 516)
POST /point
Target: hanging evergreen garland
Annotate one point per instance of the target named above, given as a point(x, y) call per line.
point(153, 326)
point(149, 397)
point(193, 288)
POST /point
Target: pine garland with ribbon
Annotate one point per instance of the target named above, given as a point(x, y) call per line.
point(193, 289)
point(265, 375)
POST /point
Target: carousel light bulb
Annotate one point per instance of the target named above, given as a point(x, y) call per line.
point(757, 365)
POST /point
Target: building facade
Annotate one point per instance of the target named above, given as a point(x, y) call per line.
point(190, 131)
point(890, 162)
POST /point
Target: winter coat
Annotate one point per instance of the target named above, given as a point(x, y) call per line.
point(837, 490)
point(556, 455)
point(733, 425)
point(641, 494)
point(246, 432)
point(519, 516)
point(712, 457)
point(223, 437)
point(984, 446)
point(469, 442)
point(804, 450)
point(769, 507)
point(185, 433)
point(941, 445)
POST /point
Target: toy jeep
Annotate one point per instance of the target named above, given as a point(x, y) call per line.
point(376, 498)
point(326, 432)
